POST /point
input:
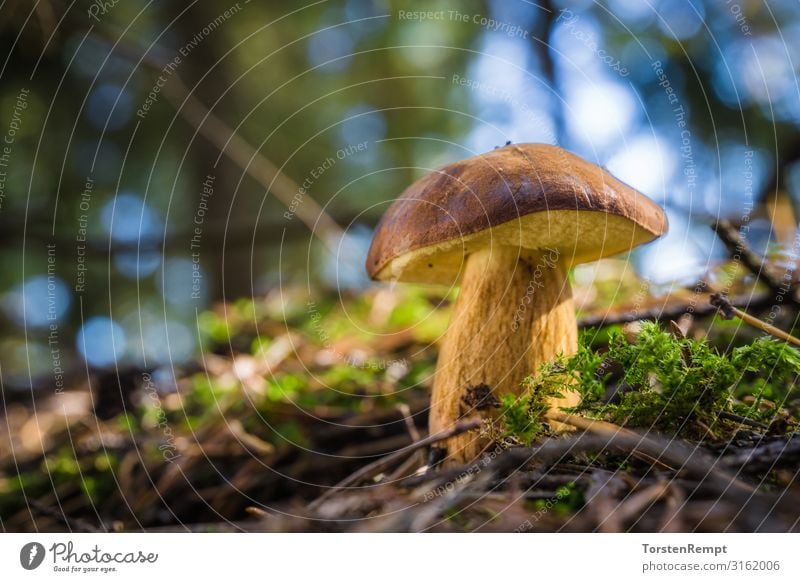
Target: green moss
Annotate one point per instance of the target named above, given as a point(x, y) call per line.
point(518, 420)
point(290, 432)
point(285, 387)
point(213, 328)
point(769, 370)
point(670, 381)
point(567, 500)
point(520, 416)
point(260, 345)
point(665, 383)
point(206, 393)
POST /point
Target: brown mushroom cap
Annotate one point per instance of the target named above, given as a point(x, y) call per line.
point(534, 196)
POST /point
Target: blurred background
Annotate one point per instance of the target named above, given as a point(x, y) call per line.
point(694, 103)
point(170, 169)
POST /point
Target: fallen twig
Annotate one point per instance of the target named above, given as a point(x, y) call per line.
point(75, 524)
point(671, 521)
point(670, 452)
point(673, 310)
point(634, 505)
point(601, 502)
point(766, 456)
point(739, 249)
point(384, 463)
point(742, 420)
point(728, 311)
point(601, 427)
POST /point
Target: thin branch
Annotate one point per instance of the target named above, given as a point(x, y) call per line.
point(669, 311)
point(670, 452)
point(384, 463)
point(405, 410)
point(739, 250)
point(742, 420)
point(728, 311)
point(600, 427)
point(75, 524)
point(766, 456)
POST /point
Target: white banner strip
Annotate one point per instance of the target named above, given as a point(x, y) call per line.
point(390, 557)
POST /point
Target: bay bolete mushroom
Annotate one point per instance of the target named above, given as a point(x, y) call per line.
point(507, 225)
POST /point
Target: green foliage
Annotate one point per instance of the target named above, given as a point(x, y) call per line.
point(285, 387)
point(521, 415)
point(664, 383)
point(206, 393)
point(289, 432)
point(519, 421)
point(351, 379)
point(670, 380)
point(213, 328)
point(769, 370)
point(567, 500)
point(92, 475)
point(260, 345)
point(410, 309)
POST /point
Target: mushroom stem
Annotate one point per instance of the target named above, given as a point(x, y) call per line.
point(506, 300)
point(554, 327)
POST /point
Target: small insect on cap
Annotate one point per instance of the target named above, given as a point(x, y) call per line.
point(532, 196)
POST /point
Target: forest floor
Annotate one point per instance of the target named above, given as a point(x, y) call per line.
point(294, 418)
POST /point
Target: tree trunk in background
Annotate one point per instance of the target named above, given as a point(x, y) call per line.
point(541, 46)
point(233, 280)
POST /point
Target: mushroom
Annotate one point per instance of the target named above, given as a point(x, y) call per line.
point(507, 224)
